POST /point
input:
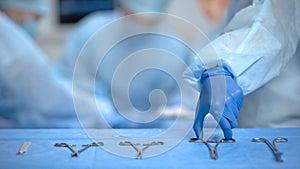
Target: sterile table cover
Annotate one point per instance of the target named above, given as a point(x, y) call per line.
point(242, 154)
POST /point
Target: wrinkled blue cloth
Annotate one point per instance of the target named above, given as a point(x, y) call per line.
point(241, 154)
point(220, 96)
point(258, 41)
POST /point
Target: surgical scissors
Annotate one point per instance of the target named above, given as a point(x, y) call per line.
point(140, 151)
point(212, 149)
point(273, 146)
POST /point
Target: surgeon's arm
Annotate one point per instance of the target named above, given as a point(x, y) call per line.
point(259, 42)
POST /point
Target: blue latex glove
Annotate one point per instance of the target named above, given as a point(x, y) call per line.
point(220, 96)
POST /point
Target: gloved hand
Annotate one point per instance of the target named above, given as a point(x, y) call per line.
point(222, 97)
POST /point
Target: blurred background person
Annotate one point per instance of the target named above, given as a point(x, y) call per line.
point(31, 94)
point(144, 82)
point(256, 41)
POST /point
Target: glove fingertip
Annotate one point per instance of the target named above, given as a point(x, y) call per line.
point(198, 129)
point(226, 128)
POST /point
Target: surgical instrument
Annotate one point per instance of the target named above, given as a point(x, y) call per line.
point(24, 148)
point(212, 149)
point(273, 146)
point(140, 151)
point(86, 146)
point(69, 146)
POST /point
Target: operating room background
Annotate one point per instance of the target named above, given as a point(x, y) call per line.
point(53, 34)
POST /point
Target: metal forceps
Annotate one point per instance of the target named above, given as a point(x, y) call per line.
point(212, 149)
point(86, 146)
point(273, 146)
point(69, 146)
point(140, 151)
